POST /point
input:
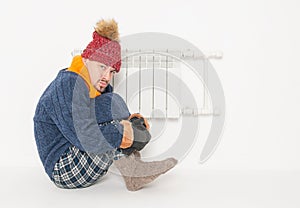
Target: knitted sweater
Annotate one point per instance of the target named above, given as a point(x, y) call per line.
point(65, 116)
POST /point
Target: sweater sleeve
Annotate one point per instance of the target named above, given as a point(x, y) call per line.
point(74, 115)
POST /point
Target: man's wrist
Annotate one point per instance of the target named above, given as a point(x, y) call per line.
point(128, 137)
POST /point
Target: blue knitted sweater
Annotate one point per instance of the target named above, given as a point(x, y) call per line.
point(65, 116)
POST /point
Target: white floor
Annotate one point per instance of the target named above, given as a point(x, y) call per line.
point(29, 187)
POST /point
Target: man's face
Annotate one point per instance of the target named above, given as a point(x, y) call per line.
point(100, 74)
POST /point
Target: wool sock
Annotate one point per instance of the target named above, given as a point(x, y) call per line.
point(137, 173)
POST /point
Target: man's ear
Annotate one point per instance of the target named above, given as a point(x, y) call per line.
point(84, 60)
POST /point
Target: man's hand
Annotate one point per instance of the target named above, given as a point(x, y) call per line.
point(141, 135)
point(137, 115)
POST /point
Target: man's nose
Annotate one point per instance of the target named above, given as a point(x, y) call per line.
point(106, 74)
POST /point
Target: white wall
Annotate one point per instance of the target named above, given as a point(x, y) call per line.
point(259, 71)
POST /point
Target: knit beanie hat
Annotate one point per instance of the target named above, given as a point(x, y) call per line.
point(105, 47)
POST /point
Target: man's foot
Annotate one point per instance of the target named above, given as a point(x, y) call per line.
point(137, 173)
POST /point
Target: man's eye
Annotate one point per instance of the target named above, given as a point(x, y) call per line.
point(113, 72)
point(103, 67)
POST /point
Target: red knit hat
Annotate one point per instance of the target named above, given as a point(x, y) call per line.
point(105, 47)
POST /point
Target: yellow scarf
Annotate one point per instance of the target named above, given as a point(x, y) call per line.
point(78, 67)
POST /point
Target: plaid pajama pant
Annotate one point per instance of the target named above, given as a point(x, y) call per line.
point(79, 169)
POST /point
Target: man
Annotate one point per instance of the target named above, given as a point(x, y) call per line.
point(81, 127)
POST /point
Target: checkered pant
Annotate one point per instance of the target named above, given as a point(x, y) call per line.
point(78, 169)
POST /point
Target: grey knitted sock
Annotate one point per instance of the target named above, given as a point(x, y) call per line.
point(137, 173)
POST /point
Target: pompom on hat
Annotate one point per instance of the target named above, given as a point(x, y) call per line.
point(105, 47)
